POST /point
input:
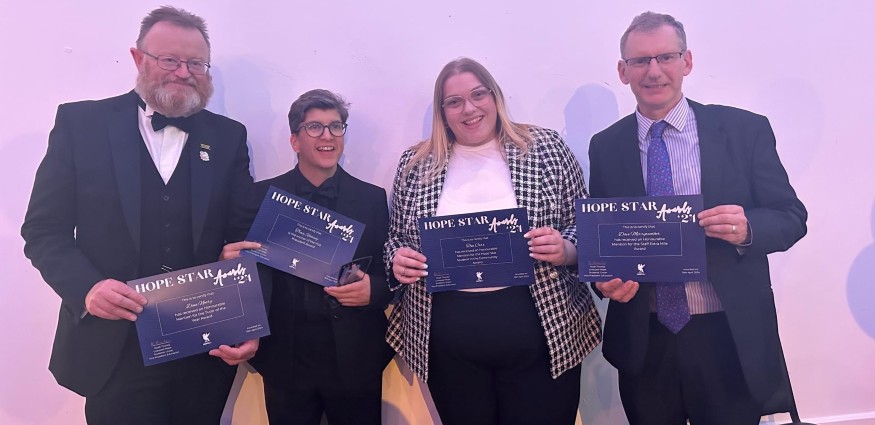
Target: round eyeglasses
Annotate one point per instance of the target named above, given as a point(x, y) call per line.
point(171, 63)
point(317, 129)
point(478, 97)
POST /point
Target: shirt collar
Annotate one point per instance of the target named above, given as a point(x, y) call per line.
point(676, 118)
point(147, 110)
point(328, 188)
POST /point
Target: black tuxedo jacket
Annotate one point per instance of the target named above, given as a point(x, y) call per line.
point(359, 332)
point(83, 221)
point(740, 166)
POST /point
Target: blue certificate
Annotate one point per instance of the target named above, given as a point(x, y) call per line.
point(195, 310)
point(645, 239)
point(302, 238)
point(477, 250)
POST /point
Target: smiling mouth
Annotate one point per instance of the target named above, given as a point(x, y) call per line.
point(325, 148)
point(473, 121)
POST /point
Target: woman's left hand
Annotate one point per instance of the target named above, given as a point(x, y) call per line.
point(547, 244)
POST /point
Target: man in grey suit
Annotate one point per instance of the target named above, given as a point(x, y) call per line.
point(709, 353)
point(133, 186)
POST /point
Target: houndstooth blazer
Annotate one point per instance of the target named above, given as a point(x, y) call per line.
point(546, 182)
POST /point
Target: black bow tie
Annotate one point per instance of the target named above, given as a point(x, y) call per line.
point(160, 121)
point(328, 190)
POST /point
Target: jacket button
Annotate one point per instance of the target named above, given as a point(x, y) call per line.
point(554, 274)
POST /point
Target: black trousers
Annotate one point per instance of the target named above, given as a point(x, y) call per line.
point(189, 391)
point(489, 364)
point(693, 375)
point(312, 386)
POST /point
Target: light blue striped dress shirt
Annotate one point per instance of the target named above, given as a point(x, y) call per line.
point(682, 141)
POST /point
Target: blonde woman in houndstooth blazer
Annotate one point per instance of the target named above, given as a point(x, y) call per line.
point(500, 355)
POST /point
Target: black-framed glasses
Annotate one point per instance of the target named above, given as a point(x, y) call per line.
point(171, 63)
point(663, 59)
point(478, 97)
point(317, 129)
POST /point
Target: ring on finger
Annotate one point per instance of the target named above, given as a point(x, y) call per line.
point(733, 228)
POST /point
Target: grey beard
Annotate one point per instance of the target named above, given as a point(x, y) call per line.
point(174, 105)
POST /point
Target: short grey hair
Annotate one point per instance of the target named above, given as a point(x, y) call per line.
point(650, 21)
point(178, 17)
point(318, 99)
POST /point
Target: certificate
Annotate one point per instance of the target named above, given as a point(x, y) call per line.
point(302, 238)
point(645, 239)
point(477, 250)
point(195, 310)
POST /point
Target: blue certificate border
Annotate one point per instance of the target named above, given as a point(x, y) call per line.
point(645, 239)
point(195, 310)
point(302, 238)
point(460, 250)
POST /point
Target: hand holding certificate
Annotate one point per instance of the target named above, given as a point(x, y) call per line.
point(477, 250)
point(196, 310)
point(645, 239)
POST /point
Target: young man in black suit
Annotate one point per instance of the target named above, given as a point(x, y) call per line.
point(326, 352)
point(712, 354)
point(133, 186)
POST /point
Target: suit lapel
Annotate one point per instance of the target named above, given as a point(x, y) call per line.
point(712, 148)
point(202, 156)
point(125, 141)
point(347, 195)
point(628, 159)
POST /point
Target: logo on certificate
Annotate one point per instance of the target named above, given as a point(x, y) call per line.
point(641, 269)
point(479, 277)
point(294, 264)
point(206, 337)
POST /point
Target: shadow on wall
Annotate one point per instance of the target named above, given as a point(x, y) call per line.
point(861, 292)
point(591, 109)
point(269, 150)
point(795, 110)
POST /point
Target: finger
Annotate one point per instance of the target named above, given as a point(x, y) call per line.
point(545, 249)
point(113, 312)
point(609, 285)
point(550, 239)
point(232, 361)
point(129, 293)
point(411, 254)
point(538, 232)
point(336, 291)
point(247, 245)
point(720, 209)
point(625, 291)
point(412, 263)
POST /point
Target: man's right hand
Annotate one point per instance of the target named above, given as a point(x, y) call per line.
point(618, 290)
point(113, 300)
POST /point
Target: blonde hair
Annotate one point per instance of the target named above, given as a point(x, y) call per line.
point(437, 147)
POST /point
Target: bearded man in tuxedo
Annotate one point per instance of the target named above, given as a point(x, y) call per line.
point(132, 186)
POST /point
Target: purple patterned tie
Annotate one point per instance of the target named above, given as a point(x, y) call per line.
point(671, 297)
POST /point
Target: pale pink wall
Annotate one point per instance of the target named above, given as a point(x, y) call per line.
point(806, 65)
